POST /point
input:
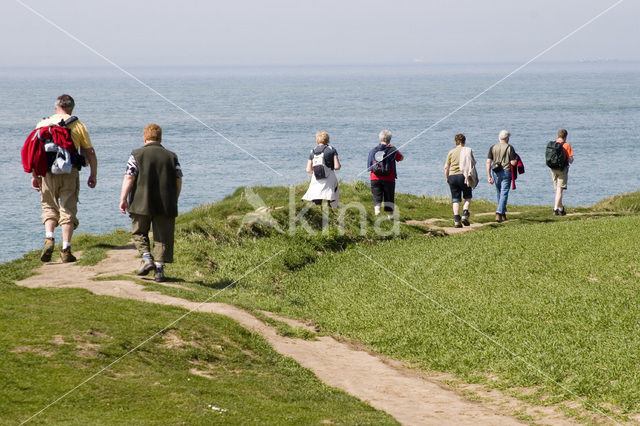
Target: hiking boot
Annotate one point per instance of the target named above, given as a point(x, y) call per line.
point(66, 255)
point(556, 212)
point(47, 250)
point(158, 276)
point(563, 212)
point(499, 218)
point(465, 218)
point(457, 224)
point(504, 217)
point(146, 266)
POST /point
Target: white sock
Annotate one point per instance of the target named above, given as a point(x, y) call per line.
point(49, 234)
point(146, 256)
point(376, 210)
point(65, 245)
point(390, 216)
point(159, 265)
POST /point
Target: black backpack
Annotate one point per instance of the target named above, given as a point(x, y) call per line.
point(383, 161)
point(554, 156)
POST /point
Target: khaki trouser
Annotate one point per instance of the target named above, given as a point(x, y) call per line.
point(59, 197)
point(163, 228)
point(560, 178)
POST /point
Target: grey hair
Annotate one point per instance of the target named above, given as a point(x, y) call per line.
point(65, 102)
point(504, 135)
point(385, 136)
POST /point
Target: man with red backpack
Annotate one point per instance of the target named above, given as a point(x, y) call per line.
point(59, 192)
point(382, 165)
point(558, 156)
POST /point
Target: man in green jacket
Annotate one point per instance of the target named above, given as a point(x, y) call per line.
point(150, 191)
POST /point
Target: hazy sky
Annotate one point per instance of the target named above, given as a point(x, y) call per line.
point(205, 32)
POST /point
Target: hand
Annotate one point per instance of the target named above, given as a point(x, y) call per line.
point(36, 182)
point(124, 206)
point(91, 182)
point(490, 181)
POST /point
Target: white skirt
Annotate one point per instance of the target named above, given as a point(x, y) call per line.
point(324, 189)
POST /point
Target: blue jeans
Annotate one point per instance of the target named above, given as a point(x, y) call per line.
point(502, 180)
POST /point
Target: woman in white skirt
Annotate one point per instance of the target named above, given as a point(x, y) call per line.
point(322, 163)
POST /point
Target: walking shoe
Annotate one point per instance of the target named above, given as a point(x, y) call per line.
point(457, 224)
point(66, 255)
point(47, 250)
point(465, 218)
point(563, 212)
point(556, 212)
point(158, 276)
point(499, 217)
point(146, 266)
point(504, 217)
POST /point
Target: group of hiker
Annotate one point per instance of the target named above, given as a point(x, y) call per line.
point(60, 146)
point(503, 165)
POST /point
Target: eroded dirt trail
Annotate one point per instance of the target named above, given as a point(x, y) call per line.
point(405, 394)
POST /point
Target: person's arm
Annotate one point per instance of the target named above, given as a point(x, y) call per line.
point(92, 159)
point(513, 157)
point(570, 159)
point(178, 186)
point(489, 171)
point(127, 184)
point(336, 163)
point(309, 166)
point(446, 171)
point(36, 181)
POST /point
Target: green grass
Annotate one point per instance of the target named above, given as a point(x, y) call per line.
point(559, 292)
point(52, 340)
point(559, 295)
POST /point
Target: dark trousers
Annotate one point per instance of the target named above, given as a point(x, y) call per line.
point(383, 192)
point(163, 229)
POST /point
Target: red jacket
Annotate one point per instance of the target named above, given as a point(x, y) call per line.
point(33, 155)
point(518, 168)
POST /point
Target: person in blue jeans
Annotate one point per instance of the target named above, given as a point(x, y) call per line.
point(499, 160)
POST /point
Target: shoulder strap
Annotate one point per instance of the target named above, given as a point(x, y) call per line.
point(70, 120)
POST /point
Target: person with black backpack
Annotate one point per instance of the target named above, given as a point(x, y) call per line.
point(558, 156)
point(323, 161)
point(382, 165)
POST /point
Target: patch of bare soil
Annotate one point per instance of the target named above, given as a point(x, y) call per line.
point(411, 397)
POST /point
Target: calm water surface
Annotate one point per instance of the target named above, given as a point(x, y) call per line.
point(274, 113)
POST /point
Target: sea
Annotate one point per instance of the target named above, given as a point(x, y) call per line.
point(235, 126)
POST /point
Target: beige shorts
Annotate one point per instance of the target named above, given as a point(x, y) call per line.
point(59, 197)
point(560, 178)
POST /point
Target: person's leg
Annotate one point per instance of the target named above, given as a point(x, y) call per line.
point(558, 201)
point(496, 182)
point(377, 193)
point(50, 214)
point(163, 240)
point(389, 198)
point(140, 226)
point(465, 212)
point(505, 184)
point(456, 194)
point(69, 191)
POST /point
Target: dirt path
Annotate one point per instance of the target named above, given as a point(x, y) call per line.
point(407, 395)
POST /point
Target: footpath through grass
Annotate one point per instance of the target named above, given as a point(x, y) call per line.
point(204, 370)
point(560, 292)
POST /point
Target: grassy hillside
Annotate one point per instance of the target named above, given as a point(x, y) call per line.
point(545, 308)
point(204, 370)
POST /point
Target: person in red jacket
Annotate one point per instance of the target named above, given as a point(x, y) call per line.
point(382, 165)
point(59, 192)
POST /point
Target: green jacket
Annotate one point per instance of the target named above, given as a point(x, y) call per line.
point(155, 190)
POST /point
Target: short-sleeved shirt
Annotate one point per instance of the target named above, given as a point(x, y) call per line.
point(133, 170)
point(453, 160)
point(79, 132)
point(502, 153)
point(568, 151)
point(328, 152)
